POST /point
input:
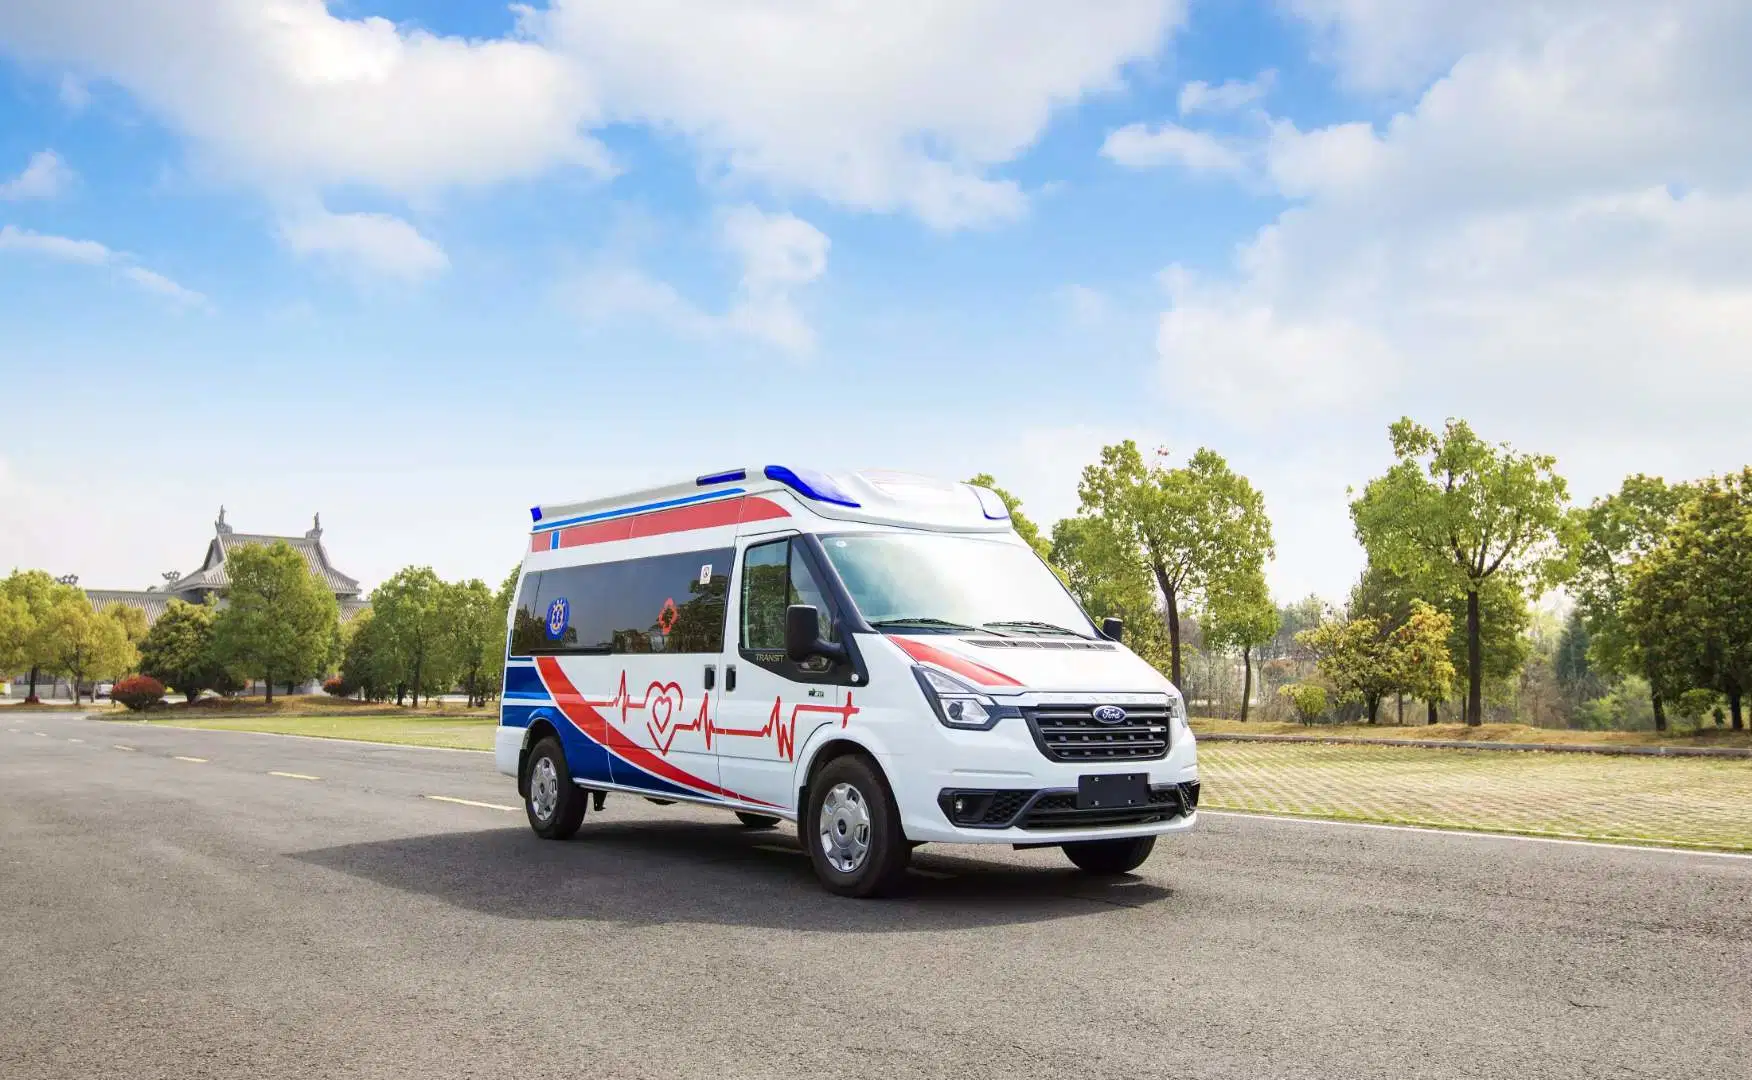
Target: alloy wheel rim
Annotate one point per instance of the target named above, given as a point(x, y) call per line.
point(544, 788)
point(844, 827)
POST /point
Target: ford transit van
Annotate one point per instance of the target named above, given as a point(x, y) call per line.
point(877, 657)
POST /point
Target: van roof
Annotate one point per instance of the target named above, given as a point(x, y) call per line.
point(876, 496)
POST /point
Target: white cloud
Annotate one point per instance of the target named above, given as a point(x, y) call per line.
point(908, 105)
point(1549, 241)
point(92, 253)
point(1139, 146)
point(74, 93)
point(1196, 97)
point(1087, 306)
point(44, 177)
point(378, 243)
point(778, 254)
point(284, 93)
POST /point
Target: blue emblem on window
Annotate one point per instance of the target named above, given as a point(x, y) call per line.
point(558, 617)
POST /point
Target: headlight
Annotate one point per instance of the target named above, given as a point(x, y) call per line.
point(957, 704)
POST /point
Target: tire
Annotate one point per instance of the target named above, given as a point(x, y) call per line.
point(851, 829)
point(564, 803)
point(1110, 856)
point(756, 821)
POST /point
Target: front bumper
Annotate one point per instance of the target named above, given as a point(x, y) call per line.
point(1039, 794)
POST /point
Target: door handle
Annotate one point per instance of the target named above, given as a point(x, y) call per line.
point(711, 675)
point(729, 677)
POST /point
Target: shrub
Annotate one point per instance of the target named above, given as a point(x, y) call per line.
point(1308, 700)
point(138, 692)
point(336, 686)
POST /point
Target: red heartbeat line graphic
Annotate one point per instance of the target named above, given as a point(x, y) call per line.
point(663, 702)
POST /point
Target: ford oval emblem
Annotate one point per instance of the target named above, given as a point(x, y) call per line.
point(1110, 714)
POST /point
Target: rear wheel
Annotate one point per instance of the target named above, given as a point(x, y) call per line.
point(756, 821)
point(555, 805)
point(851, 829)
point(1110, 856)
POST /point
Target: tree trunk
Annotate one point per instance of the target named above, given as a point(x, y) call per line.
point(1734, 709)
point(1434, 718)
point(1246, 679)
point(32, 697)
point(1373, 703)
point(1401, 710)
point(268, 688)
point(1660, 709)
point(417, 665)
point(1474, 663)
point(1173, 608)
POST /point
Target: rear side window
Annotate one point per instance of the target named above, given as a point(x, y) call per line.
point(662, 604)
point(775, 576)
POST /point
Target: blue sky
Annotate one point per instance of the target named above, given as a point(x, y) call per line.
point(418, 265)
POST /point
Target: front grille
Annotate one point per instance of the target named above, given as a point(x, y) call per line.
point(1058, 809)
point(1071, 733)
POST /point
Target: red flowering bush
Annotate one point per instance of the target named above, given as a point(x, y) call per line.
point(138, 692)
point(336, 686)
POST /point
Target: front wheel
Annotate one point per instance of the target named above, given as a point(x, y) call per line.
point(555, 805)
point(851, 829)
point(1110, 856)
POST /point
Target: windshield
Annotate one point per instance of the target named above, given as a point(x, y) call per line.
point(934, 581)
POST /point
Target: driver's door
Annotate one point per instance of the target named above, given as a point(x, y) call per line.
point(770, 705)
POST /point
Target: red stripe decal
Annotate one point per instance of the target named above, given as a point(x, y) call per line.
point(710, 515)
point(967, 669)
point(595, 726)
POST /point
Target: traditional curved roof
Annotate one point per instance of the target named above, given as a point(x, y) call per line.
point(212, 575)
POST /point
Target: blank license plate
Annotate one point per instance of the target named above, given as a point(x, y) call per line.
point(1111, 790)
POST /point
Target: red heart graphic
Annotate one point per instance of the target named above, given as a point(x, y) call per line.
point(663, 702)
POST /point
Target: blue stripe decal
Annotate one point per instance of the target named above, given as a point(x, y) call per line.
point(709, 496)
point(524, 682)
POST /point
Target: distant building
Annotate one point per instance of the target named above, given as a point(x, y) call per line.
point(211, 579)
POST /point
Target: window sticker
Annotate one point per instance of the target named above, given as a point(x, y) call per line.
point(706, 574)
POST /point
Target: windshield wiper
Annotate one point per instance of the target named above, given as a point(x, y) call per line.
point(934, 624)
point(1033, 626)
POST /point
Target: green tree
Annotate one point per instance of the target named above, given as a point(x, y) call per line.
point(278, 624)
point(410, 612)
point(35, 594)
point(1460, 510)
point(1307, 699)
point(88, 645)
point(1107, 576)
point(1241, 616)
point(1025, 528)
point(367, 662)
point(1572, 664)
point(1689, 603)
point(15, 627)
point(1614, 533)
point(1367, 660)
point(474, 625)
point(1191, 526)
point(178, 650)
point(133, 621)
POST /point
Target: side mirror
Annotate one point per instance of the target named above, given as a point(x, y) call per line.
point(1113, 628)
point(803, 636)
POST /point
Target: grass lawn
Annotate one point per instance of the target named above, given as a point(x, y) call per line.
point(1685, 802)
point(303, 705)
point(1498, 733)
point(459, 731)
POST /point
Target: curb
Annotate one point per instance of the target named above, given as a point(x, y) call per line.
point(1454, 744)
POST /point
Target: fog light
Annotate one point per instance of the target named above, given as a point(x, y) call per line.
point(960, 805)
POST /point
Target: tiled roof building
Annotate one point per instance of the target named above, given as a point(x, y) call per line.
point(210, 577)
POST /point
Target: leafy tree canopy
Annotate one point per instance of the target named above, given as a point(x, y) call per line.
point(279, 624)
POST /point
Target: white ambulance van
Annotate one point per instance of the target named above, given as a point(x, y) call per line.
point(876, 656)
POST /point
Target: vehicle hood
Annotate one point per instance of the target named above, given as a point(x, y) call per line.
point(1006, 666)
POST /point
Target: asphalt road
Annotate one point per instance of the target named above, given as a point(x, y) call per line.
point(168, 917)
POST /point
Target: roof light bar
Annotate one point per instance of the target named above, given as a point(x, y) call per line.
point(810, 484)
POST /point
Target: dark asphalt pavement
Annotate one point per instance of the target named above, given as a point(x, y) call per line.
point(178, 918)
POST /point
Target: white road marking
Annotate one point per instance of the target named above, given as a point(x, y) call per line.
point(40, 734)
point(1481, 835)
point(119, 746)
point(75, 740)
point(294, 775)
point(471, 802)
point(196, 760)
